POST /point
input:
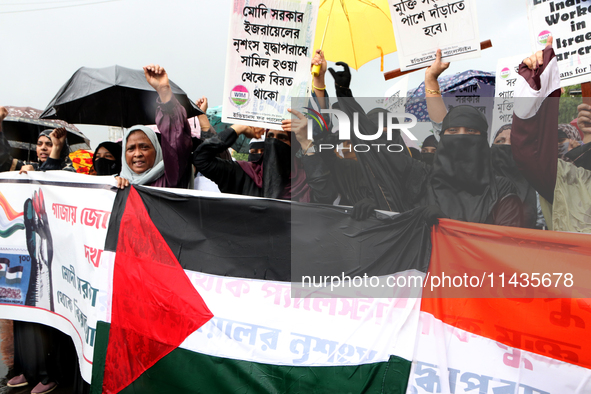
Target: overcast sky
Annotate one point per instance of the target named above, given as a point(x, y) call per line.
point(43, 42)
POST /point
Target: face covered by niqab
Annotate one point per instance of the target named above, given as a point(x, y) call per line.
point(463, 180)
point(279, 173)
point(428, 157)
point(105, 166)
point(256, 146)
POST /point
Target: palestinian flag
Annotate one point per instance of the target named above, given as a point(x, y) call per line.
point(202, 298)
point(203, 301)
point(14, 275)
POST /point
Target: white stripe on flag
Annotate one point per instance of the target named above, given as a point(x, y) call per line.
point(257, 320)
point(452, 360)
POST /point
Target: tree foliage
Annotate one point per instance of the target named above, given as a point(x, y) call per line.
point(568, 105)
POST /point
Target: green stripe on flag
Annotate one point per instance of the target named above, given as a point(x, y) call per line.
point(184, 371)
point(101, 341)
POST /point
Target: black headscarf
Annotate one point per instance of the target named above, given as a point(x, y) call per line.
point(255, 145)
point(463, 181)
point(64, 158)
point(279, 172)
point(430, 141)
point(465, 116)
point(104, 166)
point(428, 157)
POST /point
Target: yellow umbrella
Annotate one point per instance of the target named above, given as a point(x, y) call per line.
point(354, 31)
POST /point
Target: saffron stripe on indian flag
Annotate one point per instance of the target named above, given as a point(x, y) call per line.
point(9, 212)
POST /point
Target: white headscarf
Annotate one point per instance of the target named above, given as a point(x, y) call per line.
point(149, 176)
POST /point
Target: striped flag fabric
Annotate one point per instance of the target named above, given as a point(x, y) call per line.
point(226, 319)
point(201, 293)
point(254, 329)
point(4, 264)
point(14, 275)
point(513, 334)
point(10, 220)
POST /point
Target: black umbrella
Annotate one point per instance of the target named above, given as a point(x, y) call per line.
point(111, 96)
point(23, 125)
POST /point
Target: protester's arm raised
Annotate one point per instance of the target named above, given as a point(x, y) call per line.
point(533, 132)
point(435, 104)
point(158, 79)
point(318, 83)
point(203, 104)
point(58, 139)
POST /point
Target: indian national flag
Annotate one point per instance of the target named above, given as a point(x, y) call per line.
point(10, 219)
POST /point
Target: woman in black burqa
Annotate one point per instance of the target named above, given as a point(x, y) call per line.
point(461, 182)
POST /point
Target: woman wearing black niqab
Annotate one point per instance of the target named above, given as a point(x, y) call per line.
point(107, 164)
point(461, 181)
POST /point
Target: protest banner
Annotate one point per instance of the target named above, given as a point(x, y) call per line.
point(268, 60)
point(422, 27)
point(569, 23)
point(54, 271)
point(182, 299)
point(506, 76)
point(395, 97)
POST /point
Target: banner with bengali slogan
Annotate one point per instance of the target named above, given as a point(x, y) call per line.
point(395, 97)
point(569, 23)
point(213, 307)
point(268, 59)
point(52, 266)
point(422, 27)
point(506, 76)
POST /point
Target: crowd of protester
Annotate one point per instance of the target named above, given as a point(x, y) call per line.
point(536, 174)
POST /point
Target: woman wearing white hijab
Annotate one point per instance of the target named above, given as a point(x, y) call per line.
point(141, 162)
point(145, 161)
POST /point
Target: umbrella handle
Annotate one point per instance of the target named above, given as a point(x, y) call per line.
point(316, 70)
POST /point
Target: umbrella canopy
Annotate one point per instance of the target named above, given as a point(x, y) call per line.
point(110, 96)
point(358, 31)
point(467, 85)
point(23, 125)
